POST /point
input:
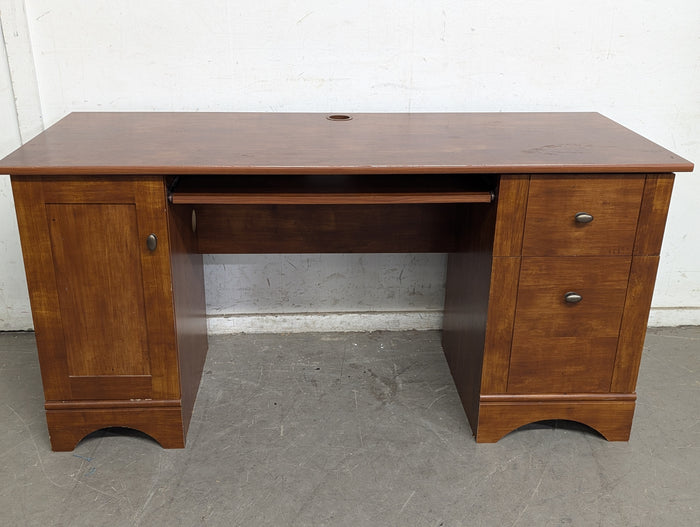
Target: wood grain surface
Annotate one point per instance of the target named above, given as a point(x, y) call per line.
point(121, 329)
point(309, 143)
point(613, 201)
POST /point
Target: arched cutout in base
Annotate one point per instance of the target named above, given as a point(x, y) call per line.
point(611, 419)
point(559, 424)
point(117, 431)
point(163, 424)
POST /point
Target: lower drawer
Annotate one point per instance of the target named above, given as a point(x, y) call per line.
point(561, 346)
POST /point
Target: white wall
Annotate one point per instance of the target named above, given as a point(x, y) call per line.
point(636, 61)
point(14, 302)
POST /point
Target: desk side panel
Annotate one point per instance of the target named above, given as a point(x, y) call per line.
point(190, 306)
point(466, 303)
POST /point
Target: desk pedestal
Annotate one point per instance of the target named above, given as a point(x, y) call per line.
point(120, 323)
point(519, 350)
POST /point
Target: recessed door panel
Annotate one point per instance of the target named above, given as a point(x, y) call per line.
point(99, 282)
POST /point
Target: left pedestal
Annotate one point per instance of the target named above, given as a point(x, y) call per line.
point(118, 304)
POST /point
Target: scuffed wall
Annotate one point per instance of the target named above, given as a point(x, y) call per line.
point(634, 61)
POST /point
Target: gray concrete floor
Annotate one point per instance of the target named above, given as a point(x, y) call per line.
point(354, 429)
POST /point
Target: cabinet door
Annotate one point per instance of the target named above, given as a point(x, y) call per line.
point(101, 298)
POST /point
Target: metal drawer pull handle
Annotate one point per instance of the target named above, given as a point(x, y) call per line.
point(151, 242)
point(583, 217)
point(572, 298)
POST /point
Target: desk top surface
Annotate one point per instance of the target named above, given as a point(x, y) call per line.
point(311, 143)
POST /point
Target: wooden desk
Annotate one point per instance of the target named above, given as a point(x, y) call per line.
point(553, 224)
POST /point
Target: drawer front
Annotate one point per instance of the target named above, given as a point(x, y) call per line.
point(562, 346)
point(551, 225)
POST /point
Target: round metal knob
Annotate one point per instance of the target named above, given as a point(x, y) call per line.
point(583, 217)
point(572, 298)
point(151, 242)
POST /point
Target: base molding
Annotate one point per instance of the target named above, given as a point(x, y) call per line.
point(68, 427)
point(500, 415)
point(555, 397)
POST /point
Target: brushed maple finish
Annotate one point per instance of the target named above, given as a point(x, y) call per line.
point(190, 306)
point(308, 143)
point(68, 426)
point(97, 316)
point(260, 229)
point(652, 215)
point(553, 202)
point(542, 310)
point(328, 199)
point(96, 343)
point(467, 291)
point(652, 219)
point(563, 347)
point(612, 419)
point(121, 328)
point(505, 272)
point(597, 353)
point(102, 301)
point(99, 386)
point(555, 397)
point(330, 190)
point(512, 196)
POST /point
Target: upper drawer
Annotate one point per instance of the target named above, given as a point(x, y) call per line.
point(551, 224)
